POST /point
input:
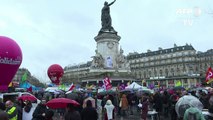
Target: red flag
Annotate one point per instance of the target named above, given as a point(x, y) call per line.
point(71, 87)
point(29, 89)
point(107, 83)
point(209, 75)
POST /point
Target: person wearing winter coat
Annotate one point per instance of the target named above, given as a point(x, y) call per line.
point(27, 111)
point(71, 113)
point(124, 105)
point(144, 108)
point(39, 113)
point(89, 113)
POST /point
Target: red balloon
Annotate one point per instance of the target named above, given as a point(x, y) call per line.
point(55, 73)
point(10, 60)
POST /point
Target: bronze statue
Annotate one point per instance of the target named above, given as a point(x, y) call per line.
point(106, 18)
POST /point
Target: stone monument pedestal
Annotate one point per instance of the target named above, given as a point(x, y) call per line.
point(109, 60)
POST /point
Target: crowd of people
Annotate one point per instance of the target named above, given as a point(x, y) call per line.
point(110, 106)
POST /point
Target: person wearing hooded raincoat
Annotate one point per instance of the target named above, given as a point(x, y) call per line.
point(109, 107)
point(193, 113)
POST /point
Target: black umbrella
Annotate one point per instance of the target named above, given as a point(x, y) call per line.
point(178, 88)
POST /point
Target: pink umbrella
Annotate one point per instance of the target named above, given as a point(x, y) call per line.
point(61, 103)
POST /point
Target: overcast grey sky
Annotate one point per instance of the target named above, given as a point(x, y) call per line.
point(63, 31)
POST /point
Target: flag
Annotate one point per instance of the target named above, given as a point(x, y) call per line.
point(209, 75)
point(24, 77)
point(62, 87)
point(107, 84)
point(29, 89)
point(72, 86)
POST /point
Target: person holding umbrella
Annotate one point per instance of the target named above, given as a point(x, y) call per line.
point(39, 113)
point(89, 112)
point(71, 113)
point(27, 110)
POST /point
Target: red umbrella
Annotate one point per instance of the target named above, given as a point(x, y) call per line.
point(27, 97)
point(61, 103)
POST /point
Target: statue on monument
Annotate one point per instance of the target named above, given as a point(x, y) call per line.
point(120, 59)
point(106, 19)
point(98, 61)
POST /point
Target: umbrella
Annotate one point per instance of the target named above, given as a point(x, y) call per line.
point(73, 96)
point(178, 88)
point(144, 90)
point(126, 91)
point(61, 103)
point(186, 102)
point(91, 99)
point(27, 97)
point(107, 92)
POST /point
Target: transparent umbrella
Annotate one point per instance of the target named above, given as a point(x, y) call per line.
point(144, 90)
point(186, 102)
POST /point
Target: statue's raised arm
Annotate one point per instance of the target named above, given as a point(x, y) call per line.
point(106, 20)
point(111, 3)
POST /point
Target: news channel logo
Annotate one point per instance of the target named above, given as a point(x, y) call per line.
point(189, 15)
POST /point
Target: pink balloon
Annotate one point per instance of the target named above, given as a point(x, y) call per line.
point(10, 60)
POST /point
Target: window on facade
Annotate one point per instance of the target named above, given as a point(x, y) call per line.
point(166, 72)
point(163, 56)
point(172, 72)
point(163, 61)
point(150, 73)
point(178, 71)
point(168, 55)
point(144, 74)
point(186, 59)
point(155, 73)
point(174, 60)
point(186, 53)
point(168, 61)
point(192, 52)
point(161, 73)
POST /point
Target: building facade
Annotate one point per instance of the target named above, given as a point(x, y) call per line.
point(167, 67)
point(162, 68)
point(17, 79)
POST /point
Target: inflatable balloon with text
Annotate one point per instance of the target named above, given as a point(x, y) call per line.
point(10, 60)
